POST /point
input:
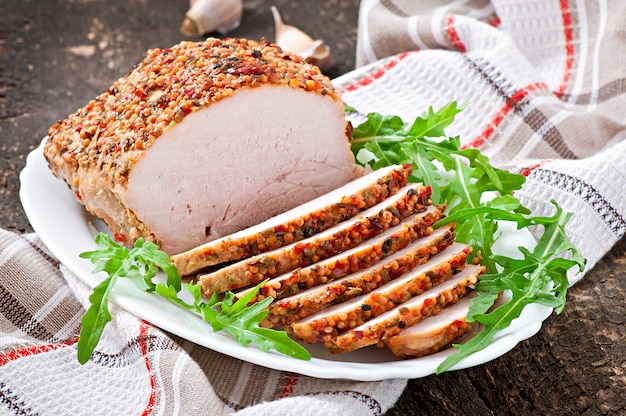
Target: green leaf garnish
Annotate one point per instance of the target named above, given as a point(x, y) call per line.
point(141, 264)
point(478, 196)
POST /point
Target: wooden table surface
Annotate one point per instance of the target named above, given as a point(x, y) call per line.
point(55, 55)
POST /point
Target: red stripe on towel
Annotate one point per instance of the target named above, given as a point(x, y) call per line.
point(569, 46)
point(508, 106)
point(143, 346)
point(495, 21)
point(526, 171)
point(291, 382)
point(34, 350)
point(376, 74)
point(454, 36)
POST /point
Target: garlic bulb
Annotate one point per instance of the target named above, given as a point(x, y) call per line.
point(206, 16)
point(294, 40)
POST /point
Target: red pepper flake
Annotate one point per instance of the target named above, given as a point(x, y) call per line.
point(251, 70)
point(120, 238)
point(396, 273)
point(300, 247)
point(458, 322)
point(335, 289)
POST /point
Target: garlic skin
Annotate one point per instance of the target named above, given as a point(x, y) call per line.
point(207, 16)
point(292, 39)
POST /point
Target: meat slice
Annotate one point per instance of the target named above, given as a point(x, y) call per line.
point(298, 223)
point(203, 139)
point(355, 311)
point(435, 333)
point(409, 313)
point(361, 257)
point(343, 236)
point(294, 308)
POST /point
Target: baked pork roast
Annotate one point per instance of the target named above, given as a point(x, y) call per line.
point(234, 157)
point(203, 139)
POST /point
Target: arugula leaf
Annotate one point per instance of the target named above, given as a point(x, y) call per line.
point(141, 264)
point(117, 261)
point(539, 277)
point(242, 322)
point(432, 124)
point(95, 319)
point(478, 197)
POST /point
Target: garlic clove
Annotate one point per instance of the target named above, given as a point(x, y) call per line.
point(318, 53)
point(294, 40)
point(288, 37)
point(206, 16)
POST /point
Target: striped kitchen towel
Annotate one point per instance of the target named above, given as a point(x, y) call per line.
point(137, 369)
point(544, 89)
point(544, 84)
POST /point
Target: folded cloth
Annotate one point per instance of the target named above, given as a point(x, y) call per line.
point(544, 89)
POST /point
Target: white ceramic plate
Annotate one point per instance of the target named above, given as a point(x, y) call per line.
point(66, 228)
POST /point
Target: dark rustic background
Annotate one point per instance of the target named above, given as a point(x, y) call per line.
point(55, 55)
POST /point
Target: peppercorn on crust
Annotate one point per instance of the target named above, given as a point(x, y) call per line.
point(355, 306)
point(358, 258)
point(300, 222)
point(434, 334)
point(406, 314)
point(332, 241)
point(203, 139)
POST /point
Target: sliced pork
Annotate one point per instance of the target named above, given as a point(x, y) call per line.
point(356, 310)
point(360, 257)
point(204, 139)
point(408, 313)
point(419, 255)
